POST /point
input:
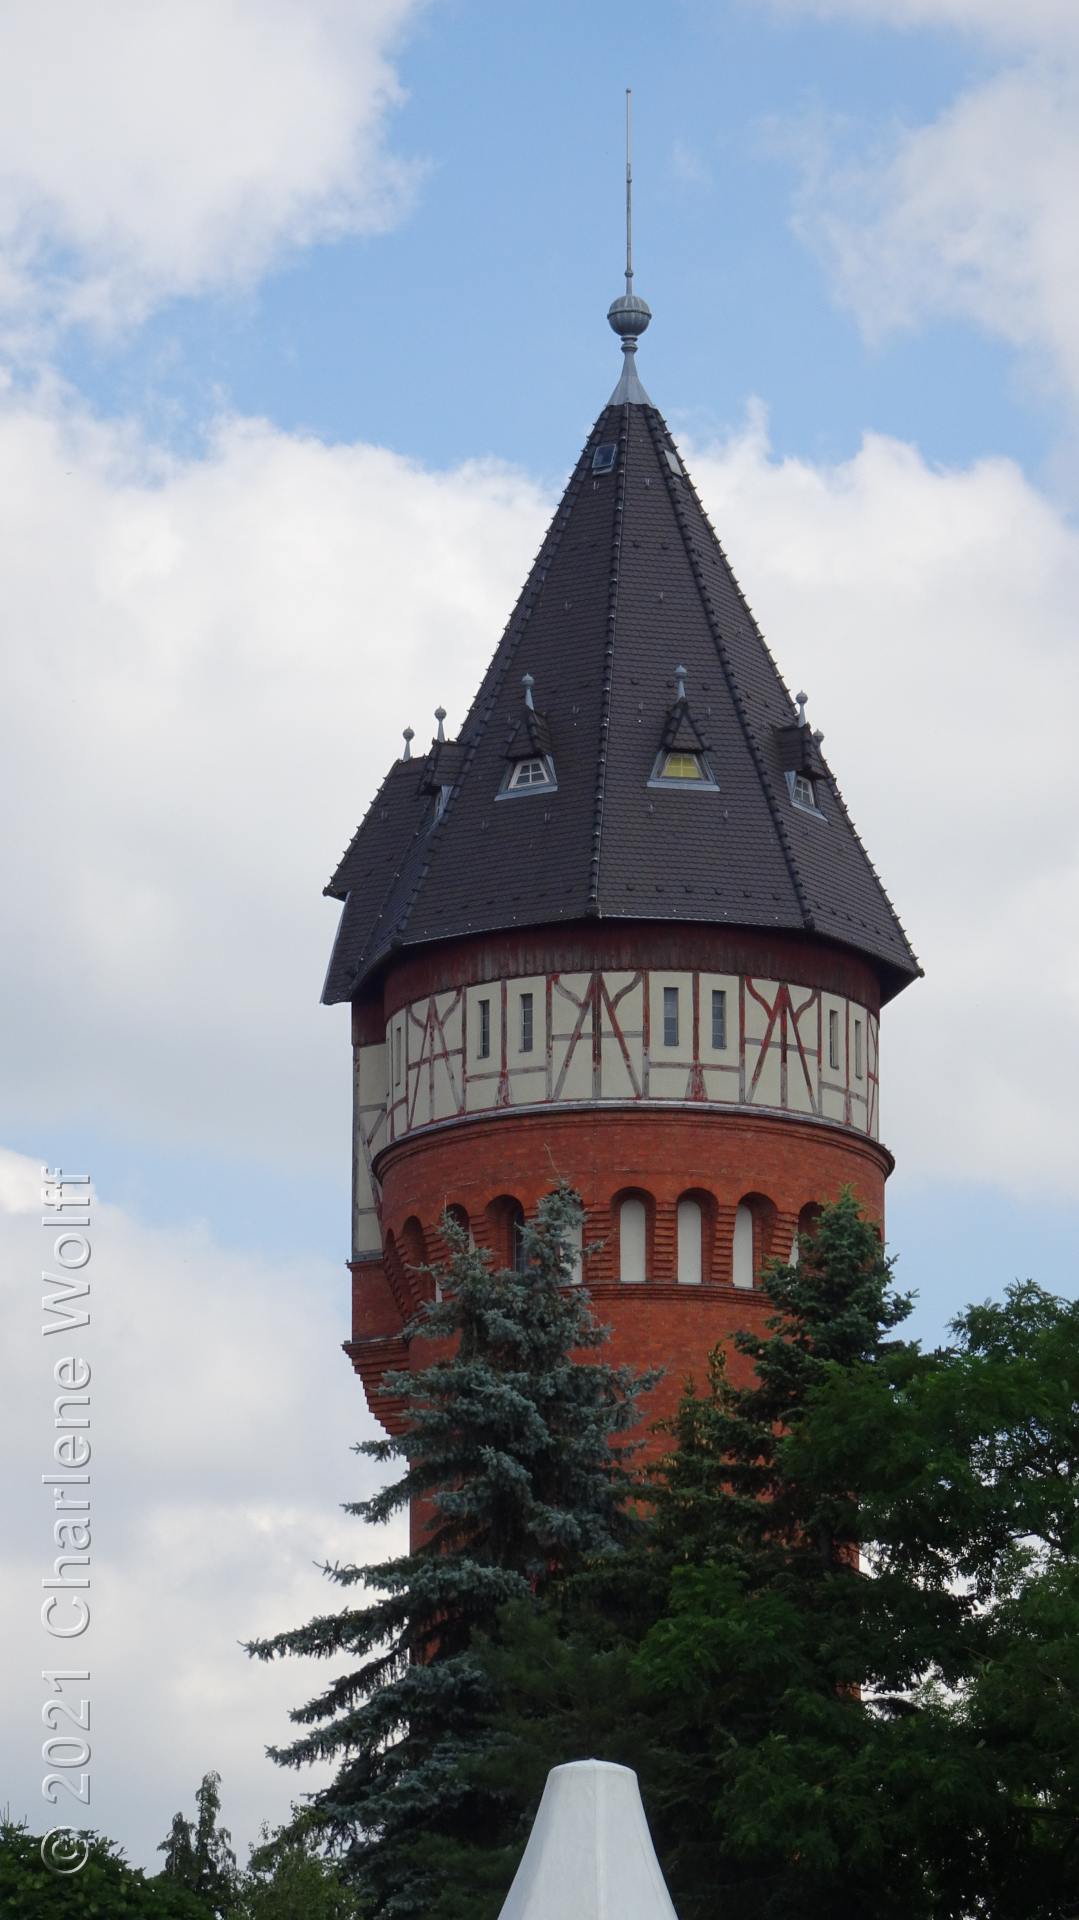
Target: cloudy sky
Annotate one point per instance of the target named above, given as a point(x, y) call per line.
point(301, 327)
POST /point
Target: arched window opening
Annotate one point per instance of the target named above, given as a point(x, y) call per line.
point(632, 1239)
point(413, 1244)
point(506, 1219)
point(574, 1244)
point(807, 1227)
point(742, 1273)
point(690, 1241)
point(459, 1215)
point(518, 1256)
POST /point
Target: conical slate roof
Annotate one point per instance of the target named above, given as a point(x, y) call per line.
point(630, 584)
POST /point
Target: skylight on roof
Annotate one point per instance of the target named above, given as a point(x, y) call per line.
point(672, 460)
point(604, 458)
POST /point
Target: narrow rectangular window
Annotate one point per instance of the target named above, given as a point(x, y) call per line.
point(670, 1016)
point(719, 1019)
point(857, 1049)
point(485, 1029)
point(526, 1023)
point(397, 1056)
point(833, 1039)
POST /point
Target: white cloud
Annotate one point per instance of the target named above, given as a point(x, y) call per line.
point(221, 1414)
point(973, 213)
point(210, 661)
point(210, 664)
point(1039, 20)
point(930, 614)
point(149, 150)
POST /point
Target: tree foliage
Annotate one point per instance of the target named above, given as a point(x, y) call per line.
point(509, 1448)
point(198, 1853)
point(846, 1664)
point(106, 1887)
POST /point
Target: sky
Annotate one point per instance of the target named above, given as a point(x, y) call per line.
point(301, 328)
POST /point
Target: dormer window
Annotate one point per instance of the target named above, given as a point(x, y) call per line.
point(529, 758)
point(803, 793)
point(530, 773)
point(529, 776)
point(603, 460)
point(682, 760)
point(682, 766)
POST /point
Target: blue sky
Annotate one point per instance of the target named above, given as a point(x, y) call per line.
point(473, 325)
point(301, 327)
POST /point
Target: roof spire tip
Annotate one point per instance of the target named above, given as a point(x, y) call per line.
point(440, 716)
point(528, 683)
point(680, 677)
point(801, 700)
point(629, 315)
point(408, 736)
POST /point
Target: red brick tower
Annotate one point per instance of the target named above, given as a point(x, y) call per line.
point(621, 930)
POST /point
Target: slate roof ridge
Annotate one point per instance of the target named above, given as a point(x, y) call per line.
point(387, 894)
point(608, 671)
point(674, 485)
point(332, 889)
point(472, 731)
point(842, 805)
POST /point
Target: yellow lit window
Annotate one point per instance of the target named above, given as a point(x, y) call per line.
point(681, 766)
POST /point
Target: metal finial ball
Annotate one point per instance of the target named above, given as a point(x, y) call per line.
point(628, 316)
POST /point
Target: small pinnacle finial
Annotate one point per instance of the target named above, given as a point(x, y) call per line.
point(409, 737)
point(440, 715)
point(528, 683)
point(800, 701)
point(817, 735)
point(680, 677)
point(628, 316)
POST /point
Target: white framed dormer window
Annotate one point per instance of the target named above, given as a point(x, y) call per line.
point(803, 793)
point(689, 771)
point(535, 775)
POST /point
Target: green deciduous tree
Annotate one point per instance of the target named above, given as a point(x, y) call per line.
point(104, 1888)
point(198, 1853)
point(509, 1442)
point(846, 1666)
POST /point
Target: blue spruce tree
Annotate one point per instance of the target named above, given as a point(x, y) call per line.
point(513, 1442)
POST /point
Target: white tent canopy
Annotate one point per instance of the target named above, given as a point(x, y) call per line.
point(590, 1854)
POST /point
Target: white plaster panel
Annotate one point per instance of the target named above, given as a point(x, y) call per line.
point(629, 1009)
point(683, 984)
point(719, 983)
point(720, 1084)
point(577, 1084)
point(669, 1082)
point(758, 1016)
point(419, 1095)
point(444, 1099)
point(767, 1091)
point(831, 1003)
point(536, 986)
point(614, 1073)
point(450, 1010)
point(527, 1085)
point(491, 992)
